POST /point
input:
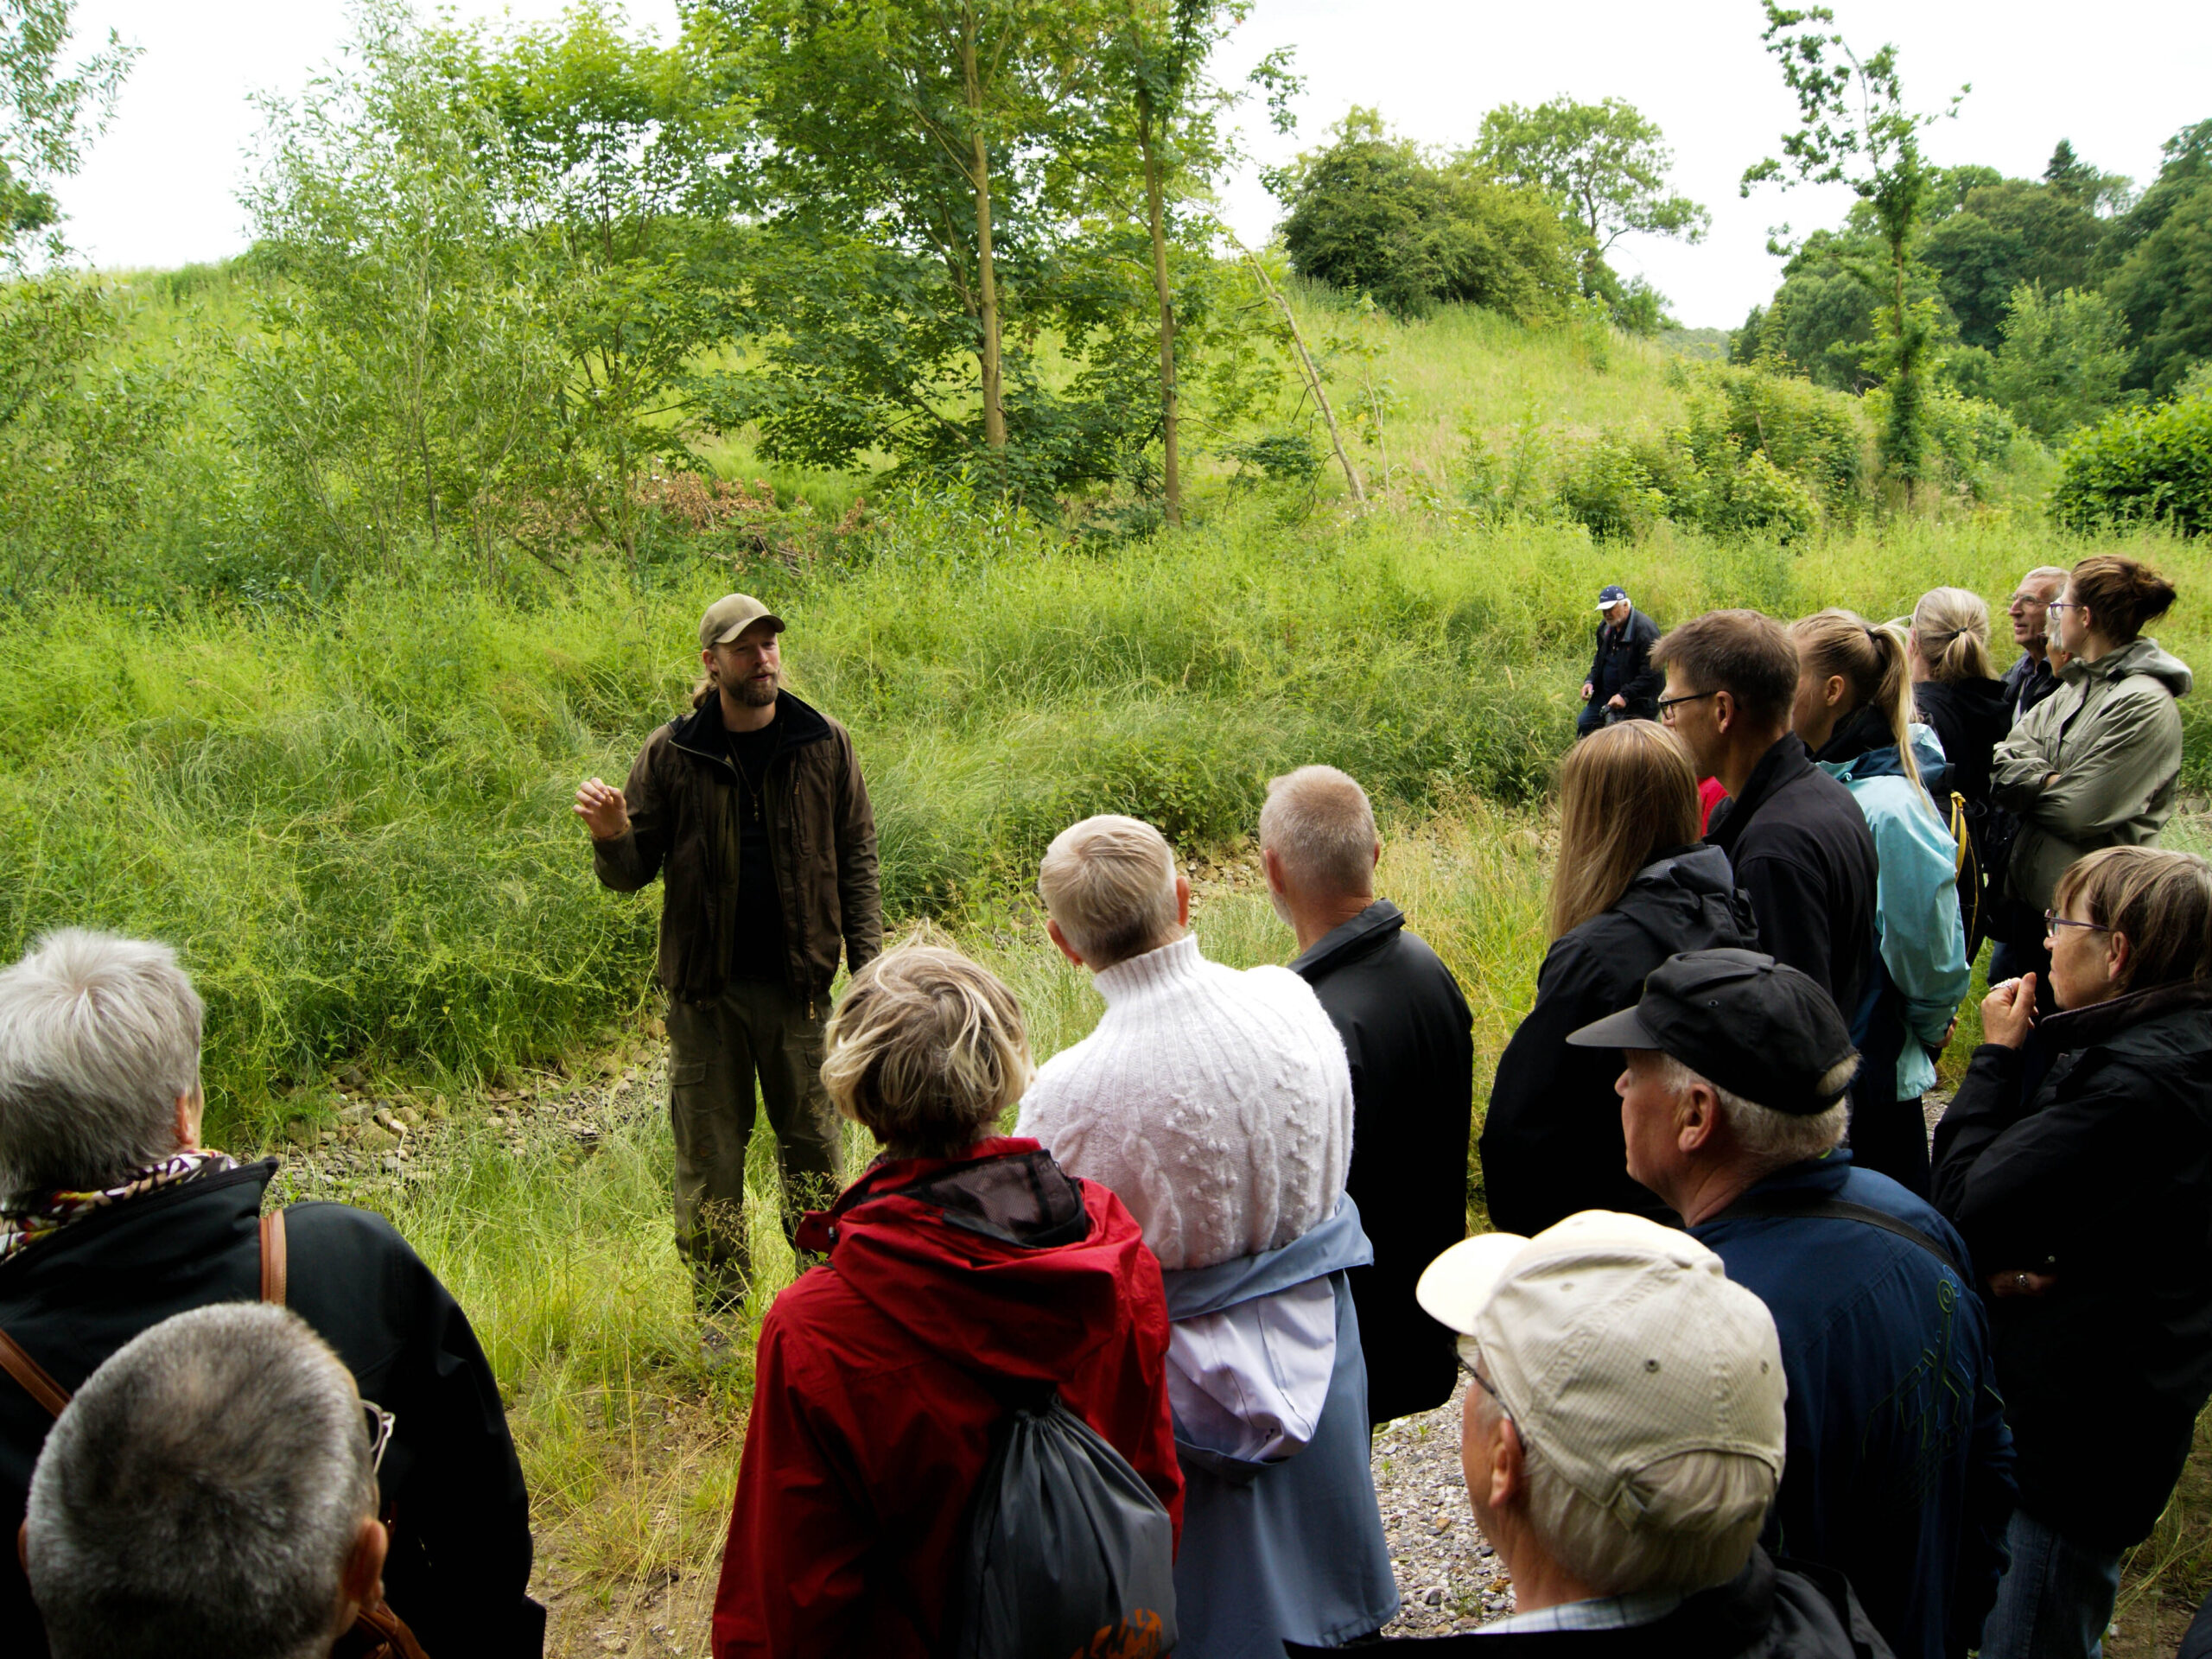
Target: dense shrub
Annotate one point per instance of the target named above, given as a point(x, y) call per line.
point(2153, 464)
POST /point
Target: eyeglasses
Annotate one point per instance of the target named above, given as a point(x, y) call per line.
point(1667, 704)
point(381, 1423)
point(1484, 1383)
point(2066, 605)
point(2052, 921)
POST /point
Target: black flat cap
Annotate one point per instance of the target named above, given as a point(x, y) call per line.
point(1740, 1021)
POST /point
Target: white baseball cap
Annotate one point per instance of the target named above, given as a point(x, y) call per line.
point(1615, 1343)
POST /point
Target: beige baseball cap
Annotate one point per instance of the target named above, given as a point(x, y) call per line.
point(731, 615)
point(1614, 1343)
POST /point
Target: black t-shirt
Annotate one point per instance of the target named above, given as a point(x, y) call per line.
point(760, 946)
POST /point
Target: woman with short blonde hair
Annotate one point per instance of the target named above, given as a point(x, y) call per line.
point(964, 1269)
point(1632, 886)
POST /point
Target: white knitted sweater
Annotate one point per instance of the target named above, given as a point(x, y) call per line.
point(1216, 1104)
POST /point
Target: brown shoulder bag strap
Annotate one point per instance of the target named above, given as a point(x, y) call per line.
point(272, 1258)
point(51, 1395)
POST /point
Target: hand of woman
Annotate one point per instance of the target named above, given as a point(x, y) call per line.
point(2008, 1012)
point(2019, 1283)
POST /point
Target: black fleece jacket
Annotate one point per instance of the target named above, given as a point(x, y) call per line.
point(1551, 1141)
point(2103, 1176)
point(1801, 849)
point(461, 1537)
point(1410, 1040)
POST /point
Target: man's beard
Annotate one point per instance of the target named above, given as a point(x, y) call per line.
point(756, 693)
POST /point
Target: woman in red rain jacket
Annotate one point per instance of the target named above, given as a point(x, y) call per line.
point(959, 1255)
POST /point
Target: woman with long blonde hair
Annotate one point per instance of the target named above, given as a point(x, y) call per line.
point(1855, 712)
point(1633, 886)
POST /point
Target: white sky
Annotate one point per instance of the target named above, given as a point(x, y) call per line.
point(159, 190)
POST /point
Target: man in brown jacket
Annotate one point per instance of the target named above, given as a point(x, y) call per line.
point(754, 809)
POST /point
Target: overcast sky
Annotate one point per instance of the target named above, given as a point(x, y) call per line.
point(160, 189)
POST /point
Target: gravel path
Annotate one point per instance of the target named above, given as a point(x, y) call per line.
point(1449, 1579)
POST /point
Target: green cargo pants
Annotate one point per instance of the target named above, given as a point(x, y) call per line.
point(716, 1050)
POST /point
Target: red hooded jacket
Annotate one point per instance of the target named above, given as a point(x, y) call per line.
point(870, 1426)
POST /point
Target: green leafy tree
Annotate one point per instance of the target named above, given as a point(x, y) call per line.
point(2163, 284)
point(2141, 465)
point(914, 146)
point(615, 158)
point(2063, 360)
point(2007, 233)
point(1607, 162)
point(399, 378)
point(49, 114)
point(1854, 128)
point(1371, 214)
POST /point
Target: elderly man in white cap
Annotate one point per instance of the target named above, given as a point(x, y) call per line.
point(1622, 1441)
point(1622, 684)
point(752, 809)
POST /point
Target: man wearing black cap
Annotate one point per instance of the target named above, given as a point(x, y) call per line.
point(1899, 1465)
point(1622, 684)
point(754, 808)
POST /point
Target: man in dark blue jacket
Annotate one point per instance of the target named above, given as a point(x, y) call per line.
point(1899, 1471)
point(1622, 684)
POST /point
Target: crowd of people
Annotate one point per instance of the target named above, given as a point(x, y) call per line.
point(1748, 1372)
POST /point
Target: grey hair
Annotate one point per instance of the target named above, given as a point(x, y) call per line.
point(1767, 1137)
point(99, 1037)
point(1728, 1492)
point(1320, 823)
point(1109, 882)
point(201, 1494)
point(2056, 573)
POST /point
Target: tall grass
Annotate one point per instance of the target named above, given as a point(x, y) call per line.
point(353, 822)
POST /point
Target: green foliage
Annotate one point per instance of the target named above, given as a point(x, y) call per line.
point(2165, 288)
point(1371, 214)
point(85, 429)
point(1606, 161)
point(2008, 233)
point(1606, 488)
point(2141, 465)
point(2063, 360)
point(47, 116)
point(396, 383)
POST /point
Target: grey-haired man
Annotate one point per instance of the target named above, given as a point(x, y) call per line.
point(752, 809)
point(1622, 684)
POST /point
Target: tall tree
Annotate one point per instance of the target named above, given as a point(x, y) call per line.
point(1607, 162)
point(1854, 128)
point(48, 113)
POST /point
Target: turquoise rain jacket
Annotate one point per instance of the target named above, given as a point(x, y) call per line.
point(1924, 948)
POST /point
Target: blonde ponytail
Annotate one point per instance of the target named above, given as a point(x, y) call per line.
point(1871, 661)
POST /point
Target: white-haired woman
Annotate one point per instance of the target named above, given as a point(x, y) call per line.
point(961, 1258)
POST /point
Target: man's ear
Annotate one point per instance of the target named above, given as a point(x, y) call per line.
point(360, 1582)
point(1053, 932)
point(1271, 862)
point(190, 1109)
point(1375, 854)
point(1509, 1470)
point(1697, 1117)
point(1724, 711)
point(1182, 901)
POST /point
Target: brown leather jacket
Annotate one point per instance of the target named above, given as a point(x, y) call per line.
point(683, 827)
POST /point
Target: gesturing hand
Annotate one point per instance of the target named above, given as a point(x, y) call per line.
point(604, 811)
point(2008, 1012)
point(1586, 689)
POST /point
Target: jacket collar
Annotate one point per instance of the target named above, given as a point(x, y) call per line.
point(229, 1193)
point(1826, 1174)
point(1348, 940)
point(2101, 1022)
point(700, 732)
point(1782, 763)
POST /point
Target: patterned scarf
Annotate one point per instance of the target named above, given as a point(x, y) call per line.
point(22, 1224)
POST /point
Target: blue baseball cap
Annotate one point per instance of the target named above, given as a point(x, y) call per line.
point(1612, 595)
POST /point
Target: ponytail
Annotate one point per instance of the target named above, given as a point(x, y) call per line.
point(1951, 628)
point(2123, 595)
point(1871, 661)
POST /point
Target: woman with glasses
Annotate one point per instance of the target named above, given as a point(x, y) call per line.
point(1855, 712)
point(2077, 1160)
point(1632, 886)
point(2096, 764)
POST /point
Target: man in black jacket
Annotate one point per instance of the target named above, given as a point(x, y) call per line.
point(1798, 843)
point(1622, 684)
point(753, 811)
point(113, 1218)
point(1410, 1038)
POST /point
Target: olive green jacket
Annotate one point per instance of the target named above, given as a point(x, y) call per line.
point(683, 827)
point(2111, 735)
